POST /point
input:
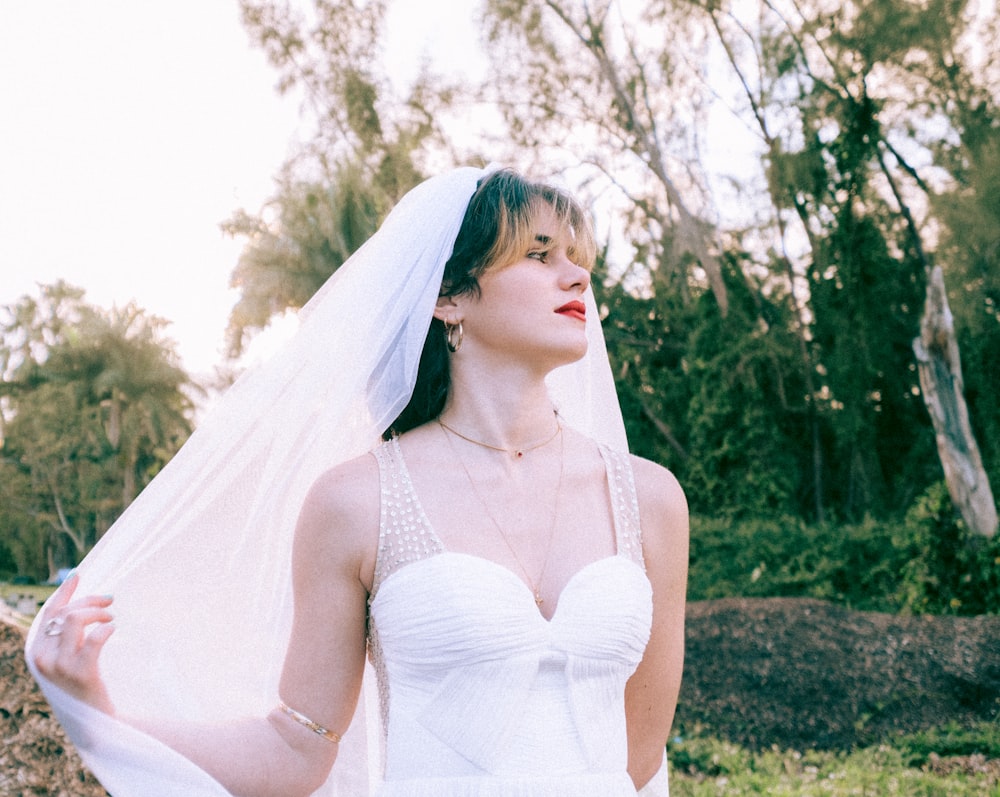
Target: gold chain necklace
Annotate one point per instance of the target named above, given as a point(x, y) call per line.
point(535, 586)
point(516, 453)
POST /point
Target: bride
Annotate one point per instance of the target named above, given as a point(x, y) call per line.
point(514, 579)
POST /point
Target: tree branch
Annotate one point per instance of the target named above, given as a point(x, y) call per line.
point(665, 432)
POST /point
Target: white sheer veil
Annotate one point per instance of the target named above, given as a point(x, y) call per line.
point(199, 563)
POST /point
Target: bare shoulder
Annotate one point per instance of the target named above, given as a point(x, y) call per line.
point(347, 490)
point(663, 509)
point(340, 515)
point(657, 488)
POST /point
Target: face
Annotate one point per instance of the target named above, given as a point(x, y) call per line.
point(531, 309)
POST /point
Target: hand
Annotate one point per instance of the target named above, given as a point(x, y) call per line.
point(67, 648)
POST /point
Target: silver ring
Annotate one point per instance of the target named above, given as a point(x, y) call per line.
point(54, 626)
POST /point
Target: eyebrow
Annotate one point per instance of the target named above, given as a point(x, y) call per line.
point(543, 239)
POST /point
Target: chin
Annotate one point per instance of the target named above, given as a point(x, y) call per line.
point(571, 355)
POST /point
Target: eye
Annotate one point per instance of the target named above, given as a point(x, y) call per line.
point(541, 255)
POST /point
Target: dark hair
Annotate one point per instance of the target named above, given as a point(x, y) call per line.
point(498, 228)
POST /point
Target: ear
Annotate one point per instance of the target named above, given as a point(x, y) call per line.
point(446, 309)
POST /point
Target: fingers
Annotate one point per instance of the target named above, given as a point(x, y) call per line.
point(75, 669)
point(76, 621)
point(62, 595)
point(73, 634)
point(90, 650)
point(86, 605)
point(61, 599)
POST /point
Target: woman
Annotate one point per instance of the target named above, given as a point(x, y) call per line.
point(526, 637)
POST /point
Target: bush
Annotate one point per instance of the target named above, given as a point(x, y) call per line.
point(927, 563)
point(951, 740)
point(947, 569)
point(853, 565)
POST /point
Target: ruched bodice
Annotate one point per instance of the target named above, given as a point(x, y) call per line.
point(481, 695)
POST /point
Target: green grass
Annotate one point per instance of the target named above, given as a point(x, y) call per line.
point(702, 766)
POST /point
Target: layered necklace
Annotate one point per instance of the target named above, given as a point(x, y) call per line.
point(515, 453)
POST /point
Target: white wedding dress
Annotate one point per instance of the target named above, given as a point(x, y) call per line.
point(481, 696)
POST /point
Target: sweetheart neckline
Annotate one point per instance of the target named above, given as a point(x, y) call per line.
point(616, 523)
point(507, 572)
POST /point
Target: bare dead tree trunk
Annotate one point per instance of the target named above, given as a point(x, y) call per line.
point(940, 370)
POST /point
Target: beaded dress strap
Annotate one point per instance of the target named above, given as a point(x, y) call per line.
point(405, 535)
point(624, 504)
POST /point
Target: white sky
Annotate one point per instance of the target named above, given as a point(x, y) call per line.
point(128, 132)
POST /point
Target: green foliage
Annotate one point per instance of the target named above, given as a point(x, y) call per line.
point(927, 563)
point(853, 565)
point(951, 740)
point(801, 401)
point(331, 54)
point(847, 116)
point(741, 426)
point(317, 227)
point(946, 569)
point(369, 143)
point(703, 766)
point(92, 405)
point(980, 355)
point(866, 304)
point(713, 397)
point(704, 755)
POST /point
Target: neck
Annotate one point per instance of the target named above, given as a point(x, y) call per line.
point(507, 412)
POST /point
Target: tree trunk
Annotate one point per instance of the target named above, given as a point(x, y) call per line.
point(941, 382)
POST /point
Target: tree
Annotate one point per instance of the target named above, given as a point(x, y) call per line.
point(587, 79)
point(824, 267)
point(366, 151)
point(93, 405)
point(709, 396)
point(317, 226)
point(842, 98)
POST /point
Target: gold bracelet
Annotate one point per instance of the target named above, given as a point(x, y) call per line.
point(315, 727)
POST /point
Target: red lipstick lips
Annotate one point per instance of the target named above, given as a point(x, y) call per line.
point(576, 309)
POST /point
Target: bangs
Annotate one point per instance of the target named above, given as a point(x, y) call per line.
point(517, 228)
point(501, 226)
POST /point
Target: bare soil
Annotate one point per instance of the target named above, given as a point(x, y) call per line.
point(794, 673)
point(801, 674)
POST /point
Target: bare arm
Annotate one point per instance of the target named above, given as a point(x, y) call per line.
point(273, 755)
point(651, 693)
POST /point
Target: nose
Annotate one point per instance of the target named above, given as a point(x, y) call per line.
point(574, 275)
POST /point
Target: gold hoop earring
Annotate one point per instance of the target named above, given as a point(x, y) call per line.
point(453, 336)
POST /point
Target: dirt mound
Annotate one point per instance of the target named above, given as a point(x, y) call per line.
point(796, 673)
point(808, 674)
